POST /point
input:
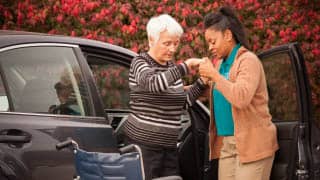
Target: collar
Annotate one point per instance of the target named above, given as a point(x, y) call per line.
point(152, 61)
point(232, 55)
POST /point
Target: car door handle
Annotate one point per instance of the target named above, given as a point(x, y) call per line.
point(15, 139)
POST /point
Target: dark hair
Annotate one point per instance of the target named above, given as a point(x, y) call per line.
point(225, 19)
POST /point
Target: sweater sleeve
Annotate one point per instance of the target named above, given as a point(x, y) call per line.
point(156, 82)
point(195, 91)
point(240, 92)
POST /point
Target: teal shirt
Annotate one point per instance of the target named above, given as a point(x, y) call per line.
point(222, 107)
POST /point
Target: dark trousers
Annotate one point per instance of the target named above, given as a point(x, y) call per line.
point(158, 161)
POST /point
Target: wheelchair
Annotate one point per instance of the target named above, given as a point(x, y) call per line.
point(126, 165)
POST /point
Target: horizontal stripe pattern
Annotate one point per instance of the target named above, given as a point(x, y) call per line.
point(157, 99)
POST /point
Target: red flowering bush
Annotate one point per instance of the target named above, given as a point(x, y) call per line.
point(268, 23)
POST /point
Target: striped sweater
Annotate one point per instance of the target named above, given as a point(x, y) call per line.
point(157, 99)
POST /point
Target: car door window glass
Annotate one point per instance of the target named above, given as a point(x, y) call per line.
point(45, 80)
point(112, 82)
point(282, 90)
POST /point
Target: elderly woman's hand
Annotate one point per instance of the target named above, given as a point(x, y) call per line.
point(193, 62)
point(207, 70)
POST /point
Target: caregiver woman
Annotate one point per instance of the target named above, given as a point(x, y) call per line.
point(242, 134)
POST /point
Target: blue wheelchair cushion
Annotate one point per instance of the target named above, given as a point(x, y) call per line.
point(108, 166)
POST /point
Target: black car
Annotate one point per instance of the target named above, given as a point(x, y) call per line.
point(55, 87)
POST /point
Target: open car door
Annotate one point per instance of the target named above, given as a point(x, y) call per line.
point(290, 107)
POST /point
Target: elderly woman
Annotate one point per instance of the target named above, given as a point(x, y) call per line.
point(157, 97)
point(242, 135)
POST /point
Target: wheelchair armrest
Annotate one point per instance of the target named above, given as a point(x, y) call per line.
point(130, 148)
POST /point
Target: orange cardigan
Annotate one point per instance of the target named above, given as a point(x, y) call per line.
point(254, 132)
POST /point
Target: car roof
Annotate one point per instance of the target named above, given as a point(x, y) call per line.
point(11, 38)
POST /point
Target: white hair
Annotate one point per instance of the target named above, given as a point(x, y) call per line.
point(158, 24)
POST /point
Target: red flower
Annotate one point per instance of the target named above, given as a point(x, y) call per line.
point(288, 30)
point(98, 16)
point(215, 5)
point(257, 5)
point(124, 28)
point(43, 15)
point(132, 30)
point(133, 23)
point(185, 12)
point(177, 6)
point(73, 33)
point(30, 13)
point(134, 49)
point(196, 12)
point(316, 29)
point(104, 12)
point(269, 20)
point(308, 34)
point(282, 33)
point(295, 15)
point(277, 16)
point(294, 35)
point(189, 37)
point(258, 23)
point(65, 8)
point(159, 9)
point(20, 5)
point(55, 8)
point(60, 18)
point(110, 40)
point(89, 36)
point(255, 47)
point(102, 38)
point(124, 9)
point(270, 33)
point(20, 18)
point(169, 9)
point(7, 15)
point(184, 23)
point(82, 21)
point(316, 52)
point(52, 31)
point(89, 6)
point(75, 11)
point(116, 23)
point(129, 29)
point(240, 5)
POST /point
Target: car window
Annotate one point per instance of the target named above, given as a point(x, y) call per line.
point(112, 82)
point(282, 90)
point(44, 80)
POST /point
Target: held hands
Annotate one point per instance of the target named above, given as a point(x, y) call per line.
point(193, 62)
point(205, 80)
point(207, 70)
